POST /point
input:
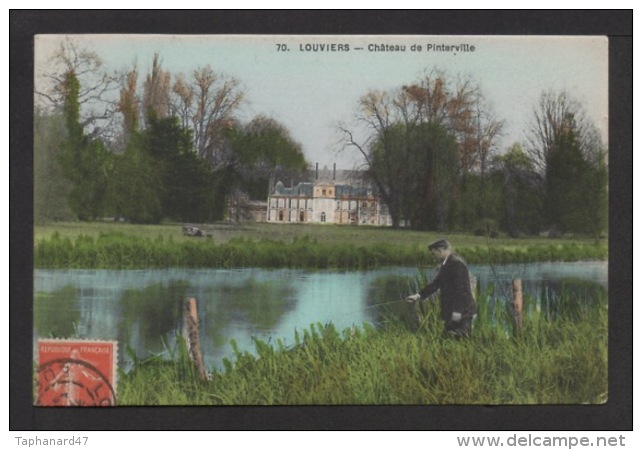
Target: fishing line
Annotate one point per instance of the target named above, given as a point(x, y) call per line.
point(363, 308)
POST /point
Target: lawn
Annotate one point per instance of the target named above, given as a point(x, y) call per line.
point(223, 232)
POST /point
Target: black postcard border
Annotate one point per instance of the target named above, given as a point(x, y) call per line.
point(616, 414)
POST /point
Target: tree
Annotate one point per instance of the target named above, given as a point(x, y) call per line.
point(438, 126)
point(522, 205)
point(156, 92)
point(457, 105)
point(51, 187)
point(188, 188)
point(381, 151)
point(95, 108)
point(83, 160)
point(207, 104)
point(568, 154)
point(135, 184)
point(417, 169)
point(264, 151)
point(129, 104)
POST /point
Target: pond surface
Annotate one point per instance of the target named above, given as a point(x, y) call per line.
point(142, 308)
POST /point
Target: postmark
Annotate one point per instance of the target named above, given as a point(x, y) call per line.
point(76, 373)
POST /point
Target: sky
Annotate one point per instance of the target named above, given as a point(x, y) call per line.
point(311, 92)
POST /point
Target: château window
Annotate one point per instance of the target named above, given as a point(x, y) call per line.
point(281, 216)
point(323, 217)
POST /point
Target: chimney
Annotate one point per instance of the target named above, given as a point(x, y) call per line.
point(334, 172)
point(316, 177)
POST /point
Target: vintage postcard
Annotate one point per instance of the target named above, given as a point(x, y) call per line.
point(320, 220)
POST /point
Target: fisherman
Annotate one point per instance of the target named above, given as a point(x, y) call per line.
point(453, 281)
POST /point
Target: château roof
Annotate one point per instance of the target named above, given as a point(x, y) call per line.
point(305, 189)
point(300, 190)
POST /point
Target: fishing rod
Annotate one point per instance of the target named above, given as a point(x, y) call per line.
point(363, 308)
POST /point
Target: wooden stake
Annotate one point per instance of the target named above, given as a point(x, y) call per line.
point(190, 331)
point(517, 304)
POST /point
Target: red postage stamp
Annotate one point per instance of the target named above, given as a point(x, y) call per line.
point(76, 372)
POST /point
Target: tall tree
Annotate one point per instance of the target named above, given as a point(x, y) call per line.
point(381, 149)
point(187, 182)
point(83, 160)
point(264, 151)
point(457, 105)
point(95, 107)
point(135, 187)
point(156, 92)
point(567, 152)
point(129, 104)
point(435, 116)
point(51, 187)
point(522, 204)
point(207, 103)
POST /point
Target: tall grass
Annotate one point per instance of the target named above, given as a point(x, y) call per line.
point(560, 357)
point(120, 251)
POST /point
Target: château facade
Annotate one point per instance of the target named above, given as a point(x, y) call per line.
point(327, 200)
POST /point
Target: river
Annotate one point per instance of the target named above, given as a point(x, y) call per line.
point(141, 309)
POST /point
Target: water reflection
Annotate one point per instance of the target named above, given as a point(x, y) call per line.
point(57, 313)
point(149, 314)
point(570, 298)
point(142, 309)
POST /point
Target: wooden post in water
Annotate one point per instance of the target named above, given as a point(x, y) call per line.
point(190, 331)
point(517, 305)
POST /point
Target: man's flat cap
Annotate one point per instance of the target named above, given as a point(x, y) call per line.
point(439, 245)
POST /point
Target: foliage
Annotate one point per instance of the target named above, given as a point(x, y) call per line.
point(561, 359)
point(83, 160)
point(135, 184)
point(567, 151)
point(522, 203)
point(206, 103)
point(118, 251)
point(264, 151)
point(422, 140)
point(51, 187)
point(187, 183)
point(55, 314)
point(414, 165)
point(93, 108)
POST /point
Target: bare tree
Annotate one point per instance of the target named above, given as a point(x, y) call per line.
point(378, 111)
point(552, 117)
point(156, 91)
point(129, 104)
point(207, 104)
point(458, 106)
point(570, 158)
point(97, 106)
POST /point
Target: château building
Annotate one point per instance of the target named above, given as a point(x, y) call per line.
point(332, 197)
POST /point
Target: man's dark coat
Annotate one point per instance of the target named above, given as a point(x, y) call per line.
point(453, 281)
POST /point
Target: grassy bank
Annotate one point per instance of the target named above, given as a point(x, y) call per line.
point(122, 246)
point(560, 357)
point(223, 232)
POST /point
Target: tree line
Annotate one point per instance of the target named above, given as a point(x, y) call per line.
point(431, 149)
point(154, 146)
point(169, 146)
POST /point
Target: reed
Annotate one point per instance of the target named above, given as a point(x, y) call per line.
point(559, 358)
point(121, 251)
